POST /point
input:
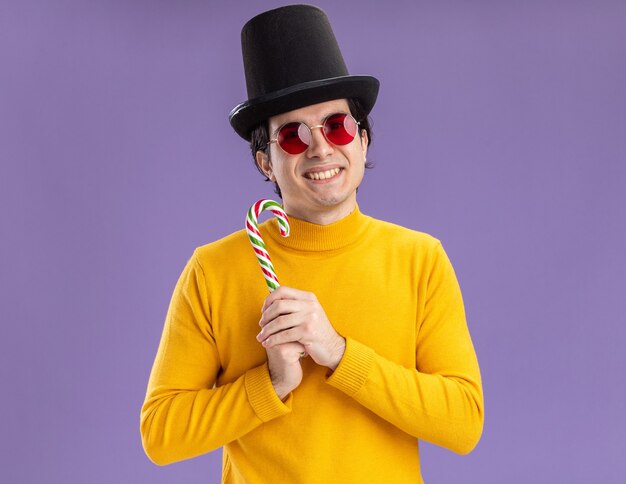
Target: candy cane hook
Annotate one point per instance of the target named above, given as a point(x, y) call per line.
point(252, 228)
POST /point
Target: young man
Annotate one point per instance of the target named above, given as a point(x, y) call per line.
point(363, 350)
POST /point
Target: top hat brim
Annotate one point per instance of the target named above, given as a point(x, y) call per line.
point(247, 115)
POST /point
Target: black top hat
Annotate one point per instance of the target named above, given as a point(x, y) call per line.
point(291, 59)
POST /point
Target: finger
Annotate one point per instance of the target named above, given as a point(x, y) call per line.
point(293, 351)
point(285, 292)
point(299, 347)
point(273, 296)
point(279, 324)
point(279, 308)
point(291, 335)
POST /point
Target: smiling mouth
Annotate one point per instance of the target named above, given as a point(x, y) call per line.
point(323, 175)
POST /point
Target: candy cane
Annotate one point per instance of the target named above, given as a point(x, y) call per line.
point(252, 228)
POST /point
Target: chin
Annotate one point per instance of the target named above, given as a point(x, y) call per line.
point(332, 200)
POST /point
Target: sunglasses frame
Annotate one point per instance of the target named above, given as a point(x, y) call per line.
point(311, 128)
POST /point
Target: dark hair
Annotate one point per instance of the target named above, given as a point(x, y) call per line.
point(260, 136)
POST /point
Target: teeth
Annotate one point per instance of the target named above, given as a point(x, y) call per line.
point(323, 175)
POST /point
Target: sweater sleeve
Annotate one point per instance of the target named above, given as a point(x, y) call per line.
point(184, 413)
point(441, 400)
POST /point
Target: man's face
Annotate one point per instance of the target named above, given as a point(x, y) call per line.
point(331, 193)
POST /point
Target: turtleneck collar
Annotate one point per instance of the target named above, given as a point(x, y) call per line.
point(310, 237)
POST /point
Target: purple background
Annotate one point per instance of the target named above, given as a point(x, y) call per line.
point(500, 129)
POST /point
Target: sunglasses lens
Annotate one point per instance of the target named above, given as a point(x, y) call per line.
point(340, 128)
point(294, 138)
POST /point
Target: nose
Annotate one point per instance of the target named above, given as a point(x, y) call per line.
point(319, 147)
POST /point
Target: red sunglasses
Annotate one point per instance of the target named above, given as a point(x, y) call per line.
point(295, 137)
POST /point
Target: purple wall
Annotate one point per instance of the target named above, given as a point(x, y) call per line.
point(500, 129)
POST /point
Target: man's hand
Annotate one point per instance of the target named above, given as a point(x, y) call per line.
point(283, 362)
point(291, 315)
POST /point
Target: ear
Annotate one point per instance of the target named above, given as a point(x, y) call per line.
point(263, 162)
point(364, 142)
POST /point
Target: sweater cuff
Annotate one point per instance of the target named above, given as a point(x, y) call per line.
point(262, 396)
point(353, 369)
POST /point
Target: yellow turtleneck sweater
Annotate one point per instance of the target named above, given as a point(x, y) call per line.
point(409, 371)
